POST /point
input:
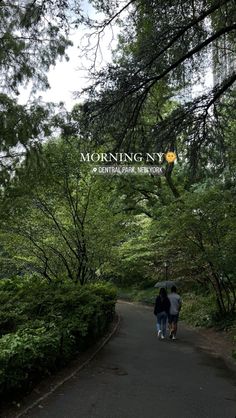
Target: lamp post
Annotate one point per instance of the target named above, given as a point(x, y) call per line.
point(166, 265)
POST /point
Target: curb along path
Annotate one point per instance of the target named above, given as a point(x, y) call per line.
point(137, 376)
point(56, 385)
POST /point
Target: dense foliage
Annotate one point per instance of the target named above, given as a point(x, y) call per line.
point(62, 227)
point(42, 326)
point(151, 97)
point(33, 35)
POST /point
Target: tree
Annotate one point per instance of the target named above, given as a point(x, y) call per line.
point(196, 235)
point(33, 35)
point(57, 218)
point(164, 49)
point(54, 201)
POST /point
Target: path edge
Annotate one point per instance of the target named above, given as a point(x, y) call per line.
point(77, 370)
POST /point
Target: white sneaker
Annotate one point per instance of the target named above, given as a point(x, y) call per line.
point(162, 337)
point(173, 338)
point(159, 333)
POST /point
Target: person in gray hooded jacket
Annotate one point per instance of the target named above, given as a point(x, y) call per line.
point(175, 306)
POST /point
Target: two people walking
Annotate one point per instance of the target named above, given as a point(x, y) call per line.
point(167, 307)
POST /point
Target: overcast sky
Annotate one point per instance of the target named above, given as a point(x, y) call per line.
point(70, 76)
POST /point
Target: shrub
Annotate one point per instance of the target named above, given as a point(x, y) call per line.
point(45, 325)
point(198, 310)
point(147, 296)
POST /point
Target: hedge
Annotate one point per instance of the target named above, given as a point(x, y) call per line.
point(43, 326)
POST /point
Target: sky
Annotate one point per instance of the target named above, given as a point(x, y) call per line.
point(70, 76)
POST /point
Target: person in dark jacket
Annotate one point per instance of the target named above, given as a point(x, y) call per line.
point(161, 310)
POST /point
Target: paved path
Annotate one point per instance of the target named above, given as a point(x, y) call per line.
point(138, 376)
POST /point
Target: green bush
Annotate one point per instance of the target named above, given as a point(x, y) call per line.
point(147, 296)
point(44, 325)
point(26, 353)
point(199, 310)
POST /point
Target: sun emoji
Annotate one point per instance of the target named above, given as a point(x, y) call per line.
point(170, 156)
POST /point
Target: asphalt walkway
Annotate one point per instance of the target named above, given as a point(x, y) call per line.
point(138, 376)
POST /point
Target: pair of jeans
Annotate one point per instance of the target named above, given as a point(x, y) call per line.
point(161, 322)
